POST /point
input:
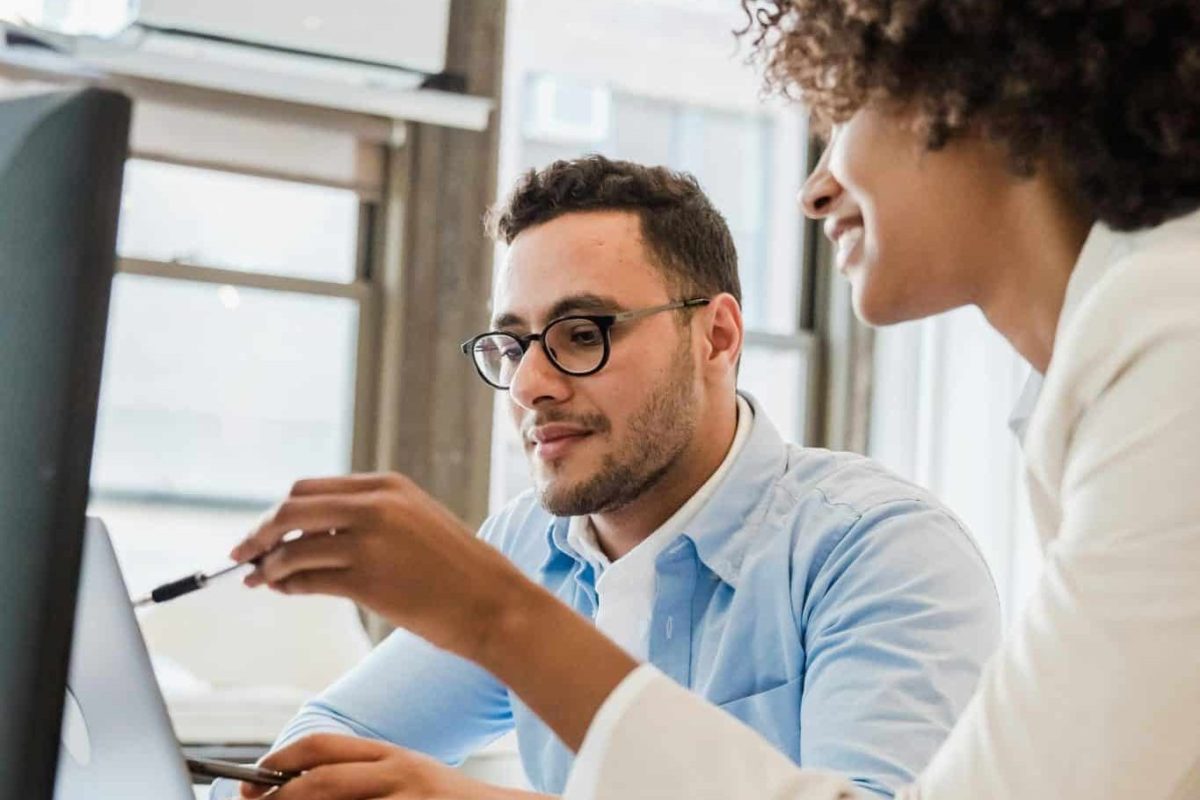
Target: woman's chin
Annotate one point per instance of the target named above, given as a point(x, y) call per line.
point(878, 308)
point(867, 306)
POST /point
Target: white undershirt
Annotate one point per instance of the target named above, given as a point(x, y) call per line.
point(625, 587)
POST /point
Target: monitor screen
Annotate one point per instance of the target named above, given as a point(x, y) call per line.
point(61, 160)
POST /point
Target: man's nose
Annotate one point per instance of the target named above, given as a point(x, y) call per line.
point(538, 381)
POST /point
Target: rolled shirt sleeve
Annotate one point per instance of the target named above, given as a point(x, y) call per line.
point(409, 693)
point(412, 694)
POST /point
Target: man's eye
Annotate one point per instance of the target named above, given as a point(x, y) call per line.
point(586, 336)
point(499, 349)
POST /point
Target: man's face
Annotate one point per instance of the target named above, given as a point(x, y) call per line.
point(595, 443)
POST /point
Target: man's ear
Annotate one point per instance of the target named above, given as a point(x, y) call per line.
point(724, 333)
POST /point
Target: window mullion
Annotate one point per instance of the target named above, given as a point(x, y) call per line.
point(803, 341)
point(358, 290)
point(368, 193)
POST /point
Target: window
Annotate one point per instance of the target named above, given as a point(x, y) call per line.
point(230, 370)
point(239, 222)
point(270, 305)
point(102, 17)
point(214, 391)
point(606, 81)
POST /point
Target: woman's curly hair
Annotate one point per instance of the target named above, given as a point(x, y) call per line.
point(1108, 90)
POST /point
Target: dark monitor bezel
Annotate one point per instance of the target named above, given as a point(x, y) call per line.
point(71, 161)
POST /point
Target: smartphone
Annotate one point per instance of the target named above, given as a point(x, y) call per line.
point(249, 773)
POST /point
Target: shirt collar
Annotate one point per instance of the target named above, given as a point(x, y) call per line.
point(581, 536)
point(1102, 248)
point(1018, 421)
point(722, 528)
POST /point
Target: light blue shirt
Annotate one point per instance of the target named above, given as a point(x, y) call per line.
point(837, 609)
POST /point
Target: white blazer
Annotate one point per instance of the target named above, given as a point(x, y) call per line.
point(1096, 691)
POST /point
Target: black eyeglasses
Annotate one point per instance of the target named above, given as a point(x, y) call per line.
point(576, 345)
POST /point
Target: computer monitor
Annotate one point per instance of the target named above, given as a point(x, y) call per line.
point(61, 160)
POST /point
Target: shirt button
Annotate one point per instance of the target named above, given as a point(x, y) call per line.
point(670, 626)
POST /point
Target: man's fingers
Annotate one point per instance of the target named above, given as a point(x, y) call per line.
point(319, 512)
point(252, 791)
point(323, 748)
point(351, 780)
point(349, 484)
point(358, 780)
point(337, 582)
point(311, 552)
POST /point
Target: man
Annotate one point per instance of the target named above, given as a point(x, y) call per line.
point(836, 609)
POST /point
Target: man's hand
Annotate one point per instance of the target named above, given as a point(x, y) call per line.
point(382, 542)
point(386, 544)
point(347, 768)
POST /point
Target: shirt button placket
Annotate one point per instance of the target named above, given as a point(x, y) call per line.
point(671, 636)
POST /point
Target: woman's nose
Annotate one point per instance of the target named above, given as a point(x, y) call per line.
point(821, 191)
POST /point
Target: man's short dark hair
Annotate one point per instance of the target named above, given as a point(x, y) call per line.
point(682, 230)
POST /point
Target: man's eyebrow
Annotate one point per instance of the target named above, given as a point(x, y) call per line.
point(507, 321)
point(584, 302)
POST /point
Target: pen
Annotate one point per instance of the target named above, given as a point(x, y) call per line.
point(198, 580)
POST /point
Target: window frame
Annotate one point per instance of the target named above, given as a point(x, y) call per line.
point(365, 290)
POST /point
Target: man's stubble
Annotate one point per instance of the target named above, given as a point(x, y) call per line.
point(659, 434)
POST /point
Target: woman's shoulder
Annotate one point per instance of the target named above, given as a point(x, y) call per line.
point(1147, 296)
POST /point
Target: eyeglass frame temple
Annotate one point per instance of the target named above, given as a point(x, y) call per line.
point(626, 316)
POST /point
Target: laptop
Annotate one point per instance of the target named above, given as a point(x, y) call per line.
point(117, 740)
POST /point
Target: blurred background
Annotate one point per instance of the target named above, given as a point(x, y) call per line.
point(301, 250)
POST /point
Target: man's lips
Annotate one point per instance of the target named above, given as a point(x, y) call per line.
point(554, 439)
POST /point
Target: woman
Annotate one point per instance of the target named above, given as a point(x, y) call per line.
point(1038, 159)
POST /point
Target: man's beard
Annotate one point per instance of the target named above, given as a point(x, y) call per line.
point(659, 433)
